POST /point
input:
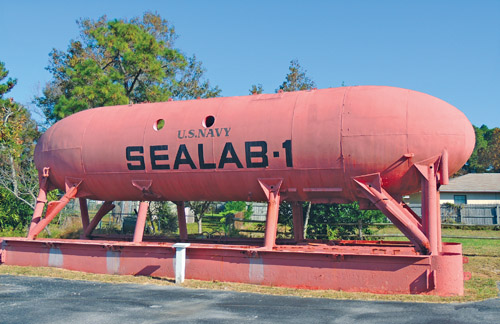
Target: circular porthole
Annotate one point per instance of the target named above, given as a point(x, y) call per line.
point(208, 121)
point(159, 124)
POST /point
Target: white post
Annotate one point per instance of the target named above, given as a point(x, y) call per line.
point(180, 261)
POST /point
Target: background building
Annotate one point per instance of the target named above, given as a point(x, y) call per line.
point(469, 189)
point(473, 199)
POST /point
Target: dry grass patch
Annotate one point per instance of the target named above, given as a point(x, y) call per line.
point(77, 275)
point(482, 285)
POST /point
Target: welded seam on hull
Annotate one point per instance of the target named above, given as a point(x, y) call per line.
point(341, 117)
point(147, 122)
point(407, 123)
point(219, 108)
point(364, 135)
point(293, 120)
point(91, 119)
point(347, 178)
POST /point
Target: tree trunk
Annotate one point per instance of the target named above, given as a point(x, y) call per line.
point(14, 176)
point(308, 212)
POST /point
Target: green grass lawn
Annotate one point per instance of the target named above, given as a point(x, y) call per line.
point(483, 255)
point(471, 246)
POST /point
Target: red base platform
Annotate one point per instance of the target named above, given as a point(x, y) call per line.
point(377, 267)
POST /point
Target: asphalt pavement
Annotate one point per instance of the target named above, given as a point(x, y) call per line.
point(51, 300)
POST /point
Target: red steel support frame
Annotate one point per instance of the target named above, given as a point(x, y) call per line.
point(438, 223)
point(271, 188)
point(431, 210)
point(390, 267)
point(298, 221)
point(440, 272)
point(400, 216)
point(40, 204)
point(141, 221)
point(106, 207)
point(53, 209)
point(85, 213)
point(443, 180)
point(181, 216)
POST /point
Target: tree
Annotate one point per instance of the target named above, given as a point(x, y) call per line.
point(235, 207)
point(489, 157)
point(115, 62)
point(199, 209)
point(473, 164)
point(161, 217)
point(191, 84)
point(232, 211)
point(18, 176)
point(256, 89)
point(320, 226)
point(13, 215)
point(296, 78)
point(486, 154)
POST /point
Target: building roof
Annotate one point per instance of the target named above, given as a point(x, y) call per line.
point(474, 182)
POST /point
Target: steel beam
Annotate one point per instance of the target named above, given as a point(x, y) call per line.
point(271, 188)
point(40, 204)
point(430, 212)
point(85, 213)
point(141, 221)
point(106, 207)
point(438, 223)
point(431, 209)
point(181, 217)
point(53, 209)
point(298, 221)
point(401, 218)
point(390, 267)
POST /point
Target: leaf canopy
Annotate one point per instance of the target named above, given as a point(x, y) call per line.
point(296, 79)
point(115, 62)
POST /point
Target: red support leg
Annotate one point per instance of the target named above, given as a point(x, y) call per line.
point(424, 208)
point(298, 221)
point(40, 204)
point(443, 180)
point(85, 213)
point(141, 221)
point(105, 208)
point(53, 209)
point(400, 217)
point(271, 188)
point(272, 221)
point(438, 223)
point(181, 217)
point(431, 209)
point(430, 213)
point(407, 208)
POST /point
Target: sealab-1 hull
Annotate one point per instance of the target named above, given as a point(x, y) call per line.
point(317, 141)
point(368, 144)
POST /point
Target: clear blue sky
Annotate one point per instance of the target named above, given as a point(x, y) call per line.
point(449, 49)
